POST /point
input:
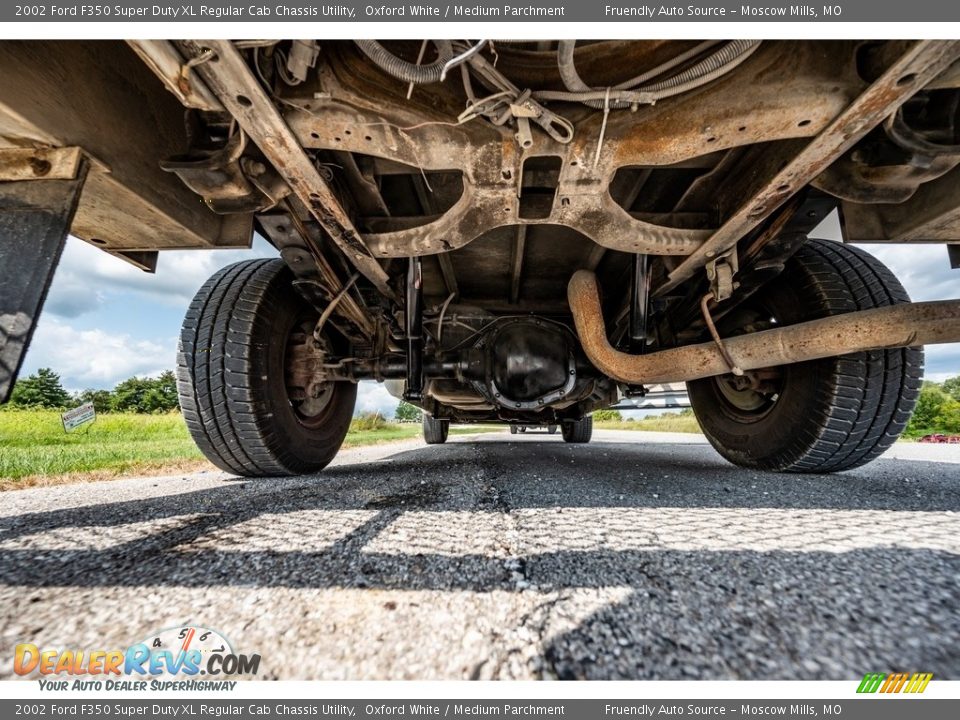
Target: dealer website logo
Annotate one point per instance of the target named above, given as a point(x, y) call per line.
point(889, 683)
point(179, 652)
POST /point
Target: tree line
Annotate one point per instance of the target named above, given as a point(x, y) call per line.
point(937, 411)
point(43, 389)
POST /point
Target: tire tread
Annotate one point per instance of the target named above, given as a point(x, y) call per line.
point(222, 396)
point(865, 399)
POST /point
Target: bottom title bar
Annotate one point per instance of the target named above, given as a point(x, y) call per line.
point(858, 709)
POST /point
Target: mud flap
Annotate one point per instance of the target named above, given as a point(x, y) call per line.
point(35, 217)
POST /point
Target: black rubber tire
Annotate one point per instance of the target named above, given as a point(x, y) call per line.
point(513, 429)
point(831, 414)
point(231, 380)
point(579, 431)
point(435, 431)
point(552, 429)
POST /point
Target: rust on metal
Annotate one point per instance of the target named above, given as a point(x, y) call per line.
point(358, 113)
point(39, 163)
point(231, 80)
point(920, 64)
point(167, 64)
point(715, 334)
point(595, 215)
point(906, 325)
point(287, 232)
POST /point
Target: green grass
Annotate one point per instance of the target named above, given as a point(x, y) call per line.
point(403, 431)
point(32, 442)
point(687, 423)
point(668, 422)
point(34, 445)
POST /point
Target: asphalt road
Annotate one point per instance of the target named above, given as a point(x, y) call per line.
point(497, 556)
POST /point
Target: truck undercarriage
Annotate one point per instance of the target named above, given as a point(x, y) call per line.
point(518, 232)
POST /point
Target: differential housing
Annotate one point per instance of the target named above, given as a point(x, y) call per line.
point(530, 363)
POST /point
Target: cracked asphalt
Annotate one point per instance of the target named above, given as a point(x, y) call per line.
point(638, 556)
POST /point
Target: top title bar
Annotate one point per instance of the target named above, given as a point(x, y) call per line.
point(484, 11)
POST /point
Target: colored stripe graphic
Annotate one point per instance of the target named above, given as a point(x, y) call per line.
point(920, 683)
point(870, 682)
point(890, 683)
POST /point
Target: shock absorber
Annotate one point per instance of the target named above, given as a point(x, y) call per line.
point(414, 323)
point(639, 292)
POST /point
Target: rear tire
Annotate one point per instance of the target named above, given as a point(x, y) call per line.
point(513, 429)
point(578, 431)
point(231, 377)
point(825, 415)
point(552, 429)
point(435, 431)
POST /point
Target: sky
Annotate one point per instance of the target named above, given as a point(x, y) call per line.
point(105, 320)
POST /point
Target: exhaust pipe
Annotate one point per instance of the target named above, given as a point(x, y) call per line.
point(905, 325)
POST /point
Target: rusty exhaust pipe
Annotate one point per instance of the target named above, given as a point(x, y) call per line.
point(909, 324)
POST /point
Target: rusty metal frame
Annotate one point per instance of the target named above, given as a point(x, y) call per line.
point(229, 77)
point(353, 108)
point(920, 64)
point(480, 210)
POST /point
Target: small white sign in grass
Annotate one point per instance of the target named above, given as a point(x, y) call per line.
point(72, 419)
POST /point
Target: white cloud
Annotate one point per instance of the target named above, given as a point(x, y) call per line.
point(941, 361)
point(71, 298)
point(95, 358)
point(86, 272)
point(373, 397)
